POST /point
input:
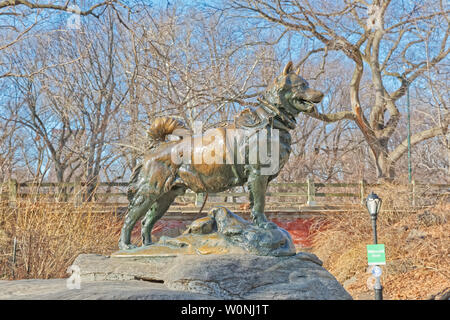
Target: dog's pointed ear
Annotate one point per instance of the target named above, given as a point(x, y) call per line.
point(288, 68)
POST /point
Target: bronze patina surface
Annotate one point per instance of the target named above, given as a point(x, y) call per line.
point(220, 232)
point(158, 180)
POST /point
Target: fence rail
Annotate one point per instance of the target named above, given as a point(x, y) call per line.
point(293, 193)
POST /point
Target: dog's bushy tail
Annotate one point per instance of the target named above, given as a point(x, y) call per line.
point(157, 133)
point(161, 127)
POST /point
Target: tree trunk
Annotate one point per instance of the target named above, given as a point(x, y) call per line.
point(384, 167)
point(61, 190)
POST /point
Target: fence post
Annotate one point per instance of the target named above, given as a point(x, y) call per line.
point(311, 193)
point(13, 187)
point(77, 196)
point(199, 197)
point(362, 191)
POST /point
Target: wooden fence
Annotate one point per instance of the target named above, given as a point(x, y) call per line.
point(280, 195)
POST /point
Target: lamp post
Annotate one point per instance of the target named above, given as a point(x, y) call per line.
point(408, 111)
point(409, 136)
point(373, 205)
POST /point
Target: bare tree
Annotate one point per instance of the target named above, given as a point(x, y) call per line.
point(21, 17)
point(397, 43)
point(70, 107)
point(8, 148)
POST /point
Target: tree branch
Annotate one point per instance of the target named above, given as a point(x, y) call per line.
point(65, 7)
point(419, 137)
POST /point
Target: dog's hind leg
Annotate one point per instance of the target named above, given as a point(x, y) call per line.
point(136, 209)
point(157, 210)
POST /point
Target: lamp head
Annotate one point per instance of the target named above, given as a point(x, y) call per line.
point(373, 204)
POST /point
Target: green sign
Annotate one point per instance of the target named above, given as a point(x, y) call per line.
point(376, 254)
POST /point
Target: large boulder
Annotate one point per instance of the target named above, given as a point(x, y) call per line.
point(56, 289)
point(255, 277)
point(231, 276)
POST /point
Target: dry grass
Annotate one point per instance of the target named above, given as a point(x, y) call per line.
point(417, 248)
point(50, 236)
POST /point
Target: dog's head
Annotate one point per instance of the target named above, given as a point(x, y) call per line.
point(291, 93)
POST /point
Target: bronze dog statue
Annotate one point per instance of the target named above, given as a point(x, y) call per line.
point(158, 179)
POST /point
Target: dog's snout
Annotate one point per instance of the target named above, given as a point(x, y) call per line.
point(319, 97)
point(315, 96)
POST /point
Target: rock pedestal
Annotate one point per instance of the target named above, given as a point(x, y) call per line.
point(188, 277)
point(231, 276)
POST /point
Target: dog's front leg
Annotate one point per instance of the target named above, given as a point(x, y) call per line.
point(257, 185)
